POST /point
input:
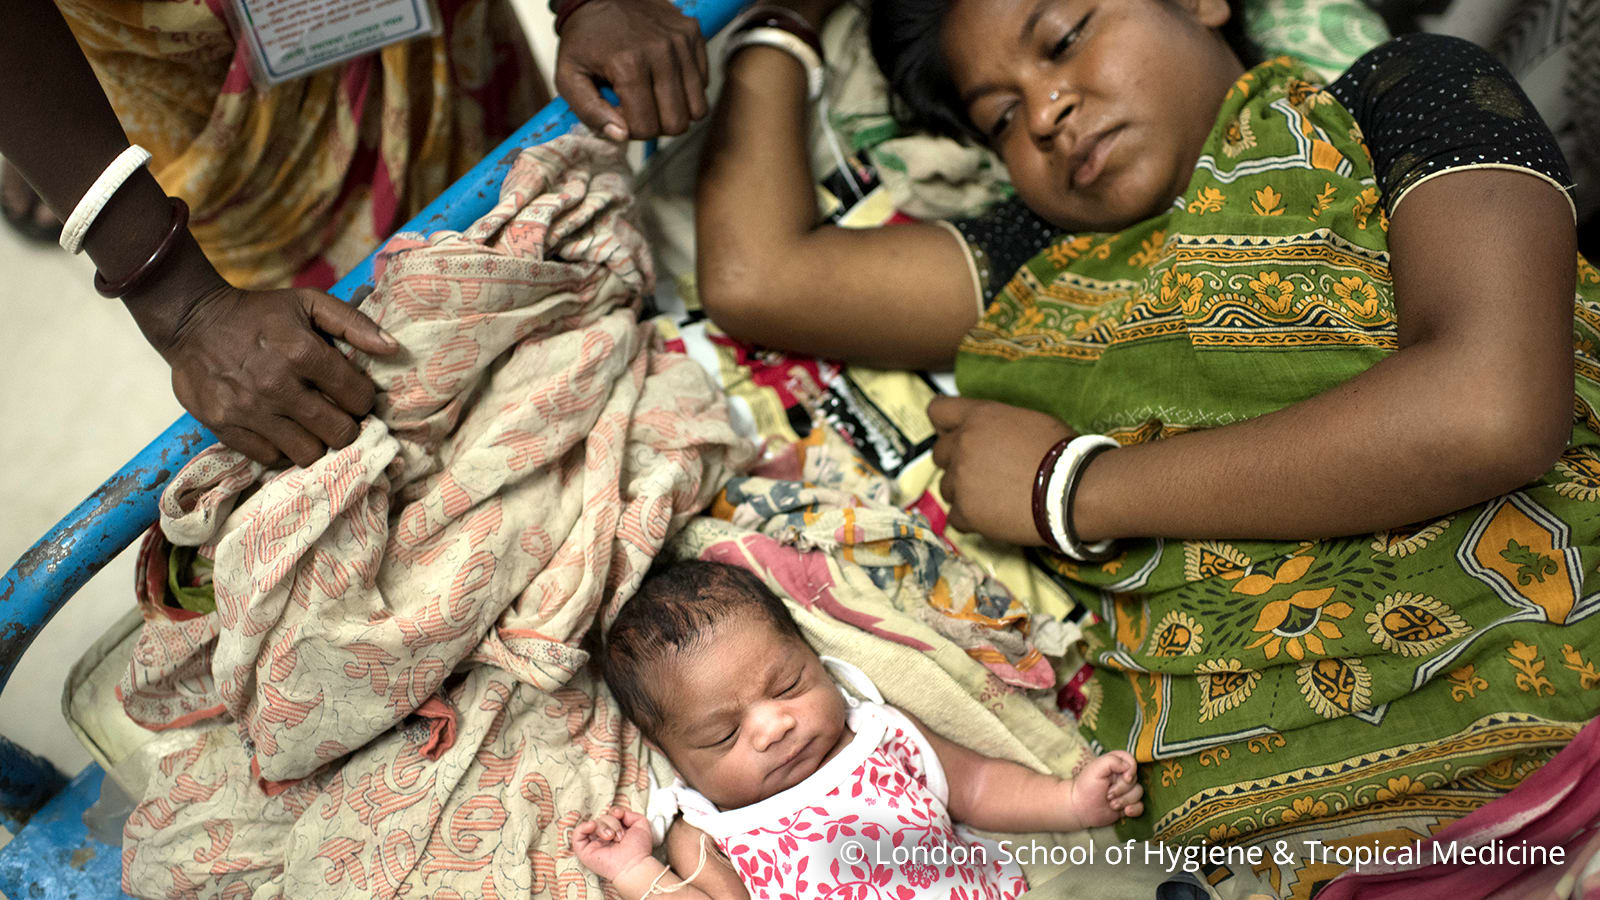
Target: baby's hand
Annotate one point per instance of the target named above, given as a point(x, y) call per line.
point(1107, 789)
point(610, 843)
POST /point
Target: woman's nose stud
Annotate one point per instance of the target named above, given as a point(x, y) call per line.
point(1054, 96)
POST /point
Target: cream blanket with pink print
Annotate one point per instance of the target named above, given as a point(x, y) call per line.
point(393, 678)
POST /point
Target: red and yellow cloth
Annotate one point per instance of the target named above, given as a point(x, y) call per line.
point(298, 183)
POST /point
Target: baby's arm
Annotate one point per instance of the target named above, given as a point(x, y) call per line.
point(999, 795)
point(717, 877)
point(616, 846)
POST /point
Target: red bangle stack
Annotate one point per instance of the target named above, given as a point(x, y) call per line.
point(1041, 481)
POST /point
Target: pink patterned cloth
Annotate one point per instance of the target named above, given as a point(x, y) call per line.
point(1556, 806)
point(871, 823)
point(390, 698)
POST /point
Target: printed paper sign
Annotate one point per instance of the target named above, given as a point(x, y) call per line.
point(290, 38)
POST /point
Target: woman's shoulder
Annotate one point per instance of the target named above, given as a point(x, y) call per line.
point(1001, 240)
point(1427, 104)
point(1412, 59)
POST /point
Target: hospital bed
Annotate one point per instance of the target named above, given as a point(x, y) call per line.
point(53, 853)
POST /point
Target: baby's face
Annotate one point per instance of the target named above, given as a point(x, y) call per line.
point(749, 713)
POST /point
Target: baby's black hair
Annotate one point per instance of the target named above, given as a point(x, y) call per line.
point(676, 606)
point(906, 44)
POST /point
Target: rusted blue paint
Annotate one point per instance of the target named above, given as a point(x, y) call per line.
point(121, 509)
point(82, 543)
point(55, 858)
point(26, 782)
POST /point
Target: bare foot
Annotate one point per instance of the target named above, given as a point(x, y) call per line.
point(23, 210)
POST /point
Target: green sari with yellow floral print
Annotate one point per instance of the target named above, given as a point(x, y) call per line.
point(1380, 684)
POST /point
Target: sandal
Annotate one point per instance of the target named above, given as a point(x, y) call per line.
point(21, 208)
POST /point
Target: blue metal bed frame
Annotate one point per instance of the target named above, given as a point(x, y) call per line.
point(53, 855)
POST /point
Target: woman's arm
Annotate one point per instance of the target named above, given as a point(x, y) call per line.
point(898, 296)
point(1476, 402)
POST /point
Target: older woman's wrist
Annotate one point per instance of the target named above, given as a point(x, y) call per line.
point(130, 238)
point(163, 304)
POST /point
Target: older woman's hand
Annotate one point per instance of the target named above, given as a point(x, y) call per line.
point(253, 367)
point(989, 452)
point(650, 53)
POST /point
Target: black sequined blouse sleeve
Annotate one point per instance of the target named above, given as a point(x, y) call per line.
point(1429, 103)
point(1001, 240)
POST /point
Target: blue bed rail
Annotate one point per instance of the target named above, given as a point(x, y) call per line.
point(122, 508)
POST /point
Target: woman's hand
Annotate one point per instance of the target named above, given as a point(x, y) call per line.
point(1106, 790)
point(253, 367)
point(990, 452)
point(652, 55)
point(608, 844)
point(250, 366)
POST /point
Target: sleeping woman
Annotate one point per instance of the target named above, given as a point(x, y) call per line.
point(1345, 548)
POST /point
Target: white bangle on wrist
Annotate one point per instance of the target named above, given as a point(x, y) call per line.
point(99, 194)
point(1063, 481)
point(779, 39)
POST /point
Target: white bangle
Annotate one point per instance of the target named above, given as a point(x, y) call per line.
point(779, 39)
point(1063, 479)
point(100, 193)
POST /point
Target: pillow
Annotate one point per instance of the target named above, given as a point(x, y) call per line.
point(1324, 35)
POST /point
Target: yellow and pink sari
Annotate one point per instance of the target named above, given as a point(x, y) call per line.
point(296, 184)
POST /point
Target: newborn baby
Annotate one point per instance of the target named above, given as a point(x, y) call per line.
point(802, 787)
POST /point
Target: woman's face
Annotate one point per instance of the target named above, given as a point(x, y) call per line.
point(1099, 108)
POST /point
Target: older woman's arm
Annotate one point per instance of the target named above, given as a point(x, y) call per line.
point(768, 273)
point(250, 365)
point(1476, 403)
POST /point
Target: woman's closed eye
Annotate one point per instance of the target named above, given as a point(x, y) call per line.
point(1061, 46)
point(1054, 52)
point(1003, 121)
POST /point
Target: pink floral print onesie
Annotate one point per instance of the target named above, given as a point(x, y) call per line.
point(870, 823)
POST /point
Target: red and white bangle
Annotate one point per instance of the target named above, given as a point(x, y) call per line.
point(176, 227)
point(773, 26)
point(1055, 484)
point(99, 194)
